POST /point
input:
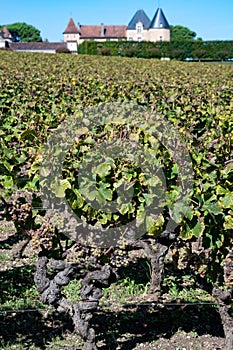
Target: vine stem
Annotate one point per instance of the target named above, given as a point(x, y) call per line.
point(91, 292)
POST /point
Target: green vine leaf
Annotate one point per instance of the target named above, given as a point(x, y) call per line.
point(61, 187)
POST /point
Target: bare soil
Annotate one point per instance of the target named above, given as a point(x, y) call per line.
point(118, 326)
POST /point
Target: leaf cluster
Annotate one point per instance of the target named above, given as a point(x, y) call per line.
point(38, 94)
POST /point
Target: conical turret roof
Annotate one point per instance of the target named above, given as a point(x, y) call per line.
point(140, 16)
point(159, 20)
point(71, 27)
point(6, 33)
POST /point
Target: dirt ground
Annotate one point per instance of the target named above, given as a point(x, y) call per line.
point(123, 330)
point(118, 326)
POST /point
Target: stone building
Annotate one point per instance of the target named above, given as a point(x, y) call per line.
point(76, 34)
point(142, 28)
point(139, 28)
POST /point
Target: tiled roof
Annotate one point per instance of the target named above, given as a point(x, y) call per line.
point(41, 46)
point(159, 20)
point(140, 16)
point(71, 27)
point(103, 31)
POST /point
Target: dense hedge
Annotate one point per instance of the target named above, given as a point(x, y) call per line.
point(181, 50)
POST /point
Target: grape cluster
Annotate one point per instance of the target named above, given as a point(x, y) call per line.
point(20, 212)
point(44, 236)
point(119, 258)
point(96, 252)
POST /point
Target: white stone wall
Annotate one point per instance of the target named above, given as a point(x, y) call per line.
point(153, 35)
point(159, 35)
point(2, 43)
point(101, 39)
point(39, 51)
point(72, 46)
point(147, 35)
point(134, 36)
point(72, 37)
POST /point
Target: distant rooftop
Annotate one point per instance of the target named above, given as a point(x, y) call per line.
point(71, 27)
point(140, 16)
point(37, 46)
point(102, 31)
point(159, 20)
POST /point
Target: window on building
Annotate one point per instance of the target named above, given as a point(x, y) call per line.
point(139, 28)
point(161, 38)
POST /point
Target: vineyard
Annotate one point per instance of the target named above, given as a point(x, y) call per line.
point(111, 170)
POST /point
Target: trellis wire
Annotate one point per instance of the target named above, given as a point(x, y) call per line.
point(153, 304)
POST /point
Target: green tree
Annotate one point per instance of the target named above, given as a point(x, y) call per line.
point(24, 32)
point(180, 33)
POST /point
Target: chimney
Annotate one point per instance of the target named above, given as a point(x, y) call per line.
point(102, 29)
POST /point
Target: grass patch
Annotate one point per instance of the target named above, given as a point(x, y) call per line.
point(29, 298)
point(17, 289)
point(65, 341)
point(72, 291)
point(4, 257)
point(7, 227)
point(183, 288)
point(8, 346)
point(123, 289)
point(119, 291)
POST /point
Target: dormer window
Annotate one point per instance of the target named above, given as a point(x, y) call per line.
point(161, 25)
point(139, 28)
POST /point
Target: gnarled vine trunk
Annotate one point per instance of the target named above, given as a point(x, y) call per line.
point(156, 253)
point(91, 292)
point(224, 299)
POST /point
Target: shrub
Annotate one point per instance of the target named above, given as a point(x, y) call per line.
point(130, 52)
point(106, 51)
point(153, 52)
point(63, 50)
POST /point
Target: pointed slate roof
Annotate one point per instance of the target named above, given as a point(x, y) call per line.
point(159, 20)
point(71, 27)
point(140, 16)
point(6, 33)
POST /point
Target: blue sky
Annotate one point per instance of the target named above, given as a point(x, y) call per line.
point(209, 19)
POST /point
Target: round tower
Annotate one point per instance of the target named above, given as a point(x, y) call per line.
point(159, 29)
